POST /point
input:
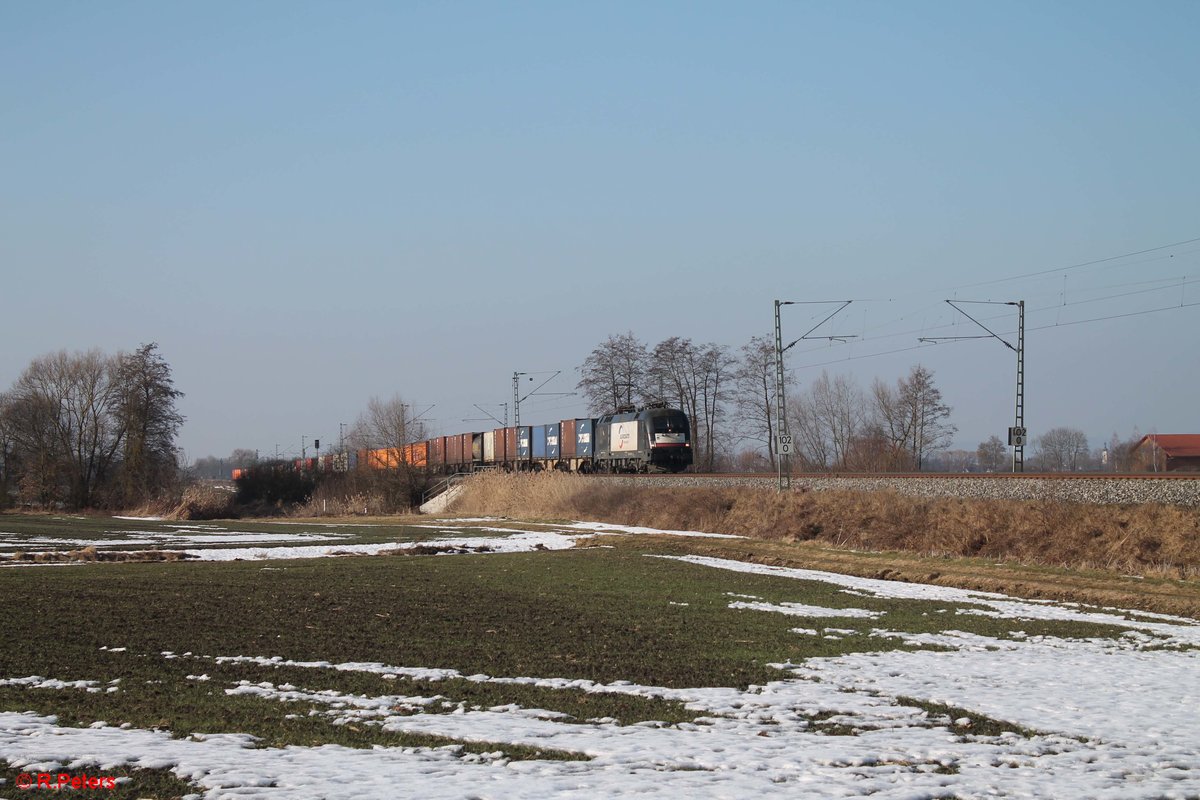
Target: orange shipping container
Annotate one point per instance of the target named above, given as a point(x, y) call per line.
point(417, 454)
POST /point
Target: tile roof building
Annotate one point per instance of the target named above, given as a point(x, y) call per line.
point(1167, 452)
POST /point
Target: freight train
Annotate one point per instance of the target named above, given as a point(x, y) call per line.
point(653, 438)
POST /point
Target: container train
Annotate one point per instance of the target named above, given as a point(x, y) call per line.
point(653, 438)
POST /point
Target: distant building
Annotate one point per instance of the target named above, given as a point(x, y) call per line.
point(1167, 452)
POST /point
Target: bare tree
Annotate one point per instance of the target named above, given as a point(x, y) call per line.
point(714, 370)
point(671, 375)
point(828, 417)
point(889, 425)
point(694, 379)
point(874, 451)
point(613, 374)
point(66, 408)
point(922, 401)
point(6, 455)
point(1062, 449)
point(388, 423)
point(808, 434)
point(912, 417)
point(243, 457)
point(754, 392)
point(150, 422)
point(992, 455)
point(35, 458)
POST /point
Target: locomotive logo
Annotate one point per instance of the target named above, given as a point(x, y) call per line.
point(624, 437)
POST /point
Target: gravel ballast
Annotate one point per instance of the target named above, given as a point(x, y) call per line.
point(1109, 491)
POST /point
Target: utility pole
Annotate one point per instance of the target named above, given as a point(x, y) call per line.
point(1017, 434)
point(517, 398)
point(783, 450)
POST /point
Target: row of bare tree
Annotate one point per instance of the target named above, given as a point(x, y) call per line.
point(731, 402)
point(837, 425)
point(90, 430)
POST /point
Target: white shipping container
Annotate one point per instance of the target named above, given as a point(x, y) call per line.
point(624, 436)
point(489, 446)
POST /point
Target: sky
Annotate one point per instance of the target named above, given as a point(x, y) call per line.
point(307, 205)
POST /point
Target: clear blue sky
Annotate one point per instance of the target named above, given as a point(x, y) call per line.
point(310, 204)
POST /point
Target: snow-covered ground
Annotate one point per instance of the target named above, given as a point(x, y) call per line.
point(1116, 717)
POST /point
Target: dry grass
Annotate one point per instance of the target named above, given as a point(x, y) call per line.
point(205, 502)
point(326, 502)
point(90, 553)
point(1146, 540)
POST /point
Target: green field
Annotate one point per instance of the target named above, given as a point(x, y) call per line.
point(159, 641)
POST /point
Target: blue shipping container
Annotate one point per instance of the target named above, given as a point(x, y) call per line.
point(524, 434)
point(539, 441)
point(584, 428)
point(552, 448)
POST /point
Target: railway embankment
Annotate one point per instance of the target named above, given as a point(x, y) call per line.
point(1116, 526)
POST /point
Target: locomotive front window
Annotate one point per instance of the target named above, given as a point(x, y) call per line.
point(670, 424)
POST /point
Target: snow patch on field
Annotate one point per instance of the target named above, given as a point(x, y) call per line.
point(1173, 630)
point(607, 527)
point(38, 682)
point(180, 537)
point(801, 610)
point(521, 542)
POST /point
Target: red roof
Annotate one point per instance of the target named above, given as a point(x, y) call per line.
point(1175, 445)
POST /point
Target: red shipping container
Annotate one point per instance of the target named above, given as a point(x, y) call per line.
point(566, 439)
point(502, 445)
point(510, 444)
point(454, 454)
point(472, 448)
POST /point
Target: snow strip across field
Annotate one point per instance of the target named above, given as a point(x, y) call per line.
point(605, 527)
point(182, 536)
point(519, 542)
point(555, 537)
point(591, 527)
point(547, 537)
point(515, 541)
